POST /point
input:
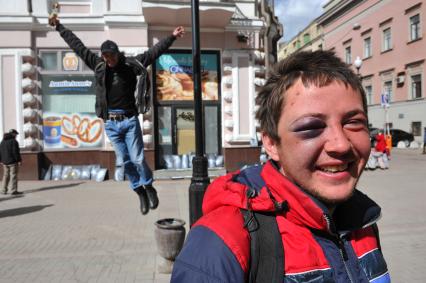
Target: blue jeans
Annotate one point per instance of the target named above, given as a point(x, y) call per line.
point(126, 138)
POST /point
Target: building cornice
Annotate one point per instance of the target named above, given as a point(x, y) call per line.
point(338, 10)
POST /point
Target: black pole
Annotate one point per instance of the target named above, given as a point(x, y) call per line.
point(200, 179)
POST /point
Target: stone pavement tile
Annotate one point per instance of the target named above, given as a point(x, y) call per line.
point(400, 191)
point(79, 233)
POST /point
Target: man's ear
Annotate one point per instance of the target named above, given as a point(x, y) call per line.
point(271, 147)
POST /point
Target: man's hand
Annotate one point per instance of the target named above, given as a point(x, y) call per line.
point(53, 20)
point(179, 31)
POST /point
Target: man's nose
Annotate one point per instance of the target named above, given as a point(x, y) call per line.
point(337, 141)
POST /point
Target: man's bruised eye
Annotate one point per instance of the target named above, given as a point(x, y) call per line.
point(308, 128)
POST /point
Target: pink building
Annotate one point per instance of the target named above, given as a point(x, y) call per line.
point(387, 35)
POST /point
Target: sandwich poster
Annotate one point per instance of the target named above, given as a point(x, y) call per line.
point(174, 77)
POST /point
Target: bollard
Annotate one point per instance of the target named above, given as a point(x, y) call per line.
point(169, 237)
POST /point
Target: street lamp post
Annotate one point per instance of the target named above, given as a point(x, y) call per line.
point(200, 179)
point(358, 64)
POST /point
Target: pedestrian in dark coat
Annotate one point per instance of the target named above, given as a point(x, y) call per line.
point(10, 158)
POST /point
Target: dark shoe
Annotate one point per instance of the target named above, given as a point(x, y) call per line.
point(143, 198)
point(4, 192)
point(15, 193)
point(152, 196)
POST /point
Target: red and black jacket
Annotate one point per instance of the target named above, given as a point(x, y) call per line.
point(317, 247)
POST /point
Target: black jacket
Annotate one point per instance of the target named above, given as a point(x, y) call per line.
point(138, 63)
point(9, 150)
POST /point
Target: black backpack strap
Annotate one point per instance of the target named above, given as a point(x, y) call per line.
point(376, 232)
point(266, 247)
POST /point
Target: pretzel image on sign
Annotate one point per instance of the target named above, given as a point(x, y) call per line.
point(78, 130)
point(89, 131)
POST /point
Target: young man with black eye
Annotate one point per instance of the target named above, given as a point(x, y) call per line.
point(313, 117)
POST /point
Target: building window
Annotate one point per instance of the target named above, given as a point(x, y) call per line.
point(367, 47)
point(416, 128)
point(387, 39)
point(49, 61)
point(306, 38)
point(387, 90)
point(416, 86)
point(348, 55)
point(369, 94)
point(298, 45)
point(415, 27)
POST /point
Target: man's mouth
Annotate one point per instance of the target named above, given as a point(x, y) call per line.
point(333, 168)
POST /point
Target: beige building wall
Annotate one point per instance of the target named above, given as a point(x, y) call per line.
point(309, 39)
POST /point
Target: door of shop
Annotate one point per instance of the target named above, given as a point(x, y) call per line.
point(175, 130)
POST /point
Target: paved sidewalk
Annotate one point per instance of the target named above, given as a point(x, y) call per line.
point(83, 232)
point(94, 232)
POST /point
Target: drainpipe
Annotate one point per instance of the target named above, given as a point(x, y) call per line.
point(267, 17)
point(267, 13)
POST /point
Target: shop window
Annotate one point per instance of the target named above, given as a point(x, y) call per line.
point(211, 129)
point(367, 47)
point(416, 86)
point(49, 61)
point(348, 55)
point(416, 128)
point(68, 91)
point(387, 39)
point(174, 103)
point(415, 27)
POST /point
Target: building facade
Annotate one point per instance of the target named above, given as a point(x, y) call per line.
point(387, 37)
point(47, 92)
point(309, 39)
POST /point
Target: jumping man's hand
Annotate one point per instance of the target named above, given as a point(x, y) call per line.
point(179, 31)
point(53, 20)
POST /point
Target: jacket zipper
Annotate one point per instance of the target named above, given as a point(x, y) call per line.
point(341, 246)
point(345, 258)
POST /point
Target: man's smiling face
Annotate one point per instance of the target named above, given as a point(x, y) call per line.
point(324, 141)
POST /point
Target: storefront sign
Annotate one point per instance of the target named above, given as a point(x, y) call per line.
point(174, 77)
point(75, 130)
point(68, 84)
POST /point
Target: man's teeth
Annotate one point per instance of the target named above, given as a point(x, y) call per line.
point(334, 169)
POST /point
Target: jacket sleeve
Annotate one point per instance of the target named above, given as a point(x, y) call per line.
point(206, 258)
point(149, 56)
point(91, 59)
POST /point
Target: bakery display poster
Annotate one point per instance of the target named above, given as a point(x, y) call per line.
point(72, 130)
point(174, 77)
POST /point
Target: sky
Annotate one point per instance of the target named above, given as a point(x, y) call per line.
point(295, 15)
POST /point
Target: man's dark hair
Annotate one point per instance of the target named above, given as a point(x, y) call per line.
point(319, 68)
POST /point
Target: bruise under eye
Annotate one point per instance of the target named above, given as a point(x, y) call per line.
point(308, 127)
